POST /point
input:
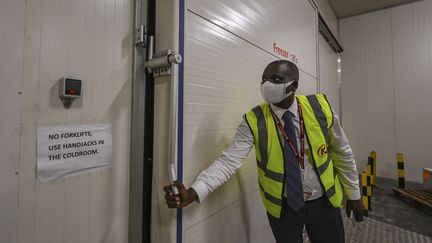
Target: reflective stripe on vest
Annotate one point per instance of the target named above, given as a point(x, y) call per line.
point(317, 109)
point(318, 119)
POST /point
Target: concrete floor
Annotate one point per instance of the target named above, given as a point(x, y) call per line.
point(391, 219)
point(392, 210)
point(374, 231)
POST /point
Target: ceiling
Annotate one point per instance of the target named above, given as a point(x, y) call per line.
point(347, 8)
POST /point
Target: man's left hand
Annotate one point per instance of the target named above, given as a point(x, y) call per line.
point(357, 207)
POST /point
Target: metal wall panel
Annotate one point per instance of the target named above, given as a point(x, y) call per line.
point(12, 16)
point(244, 220)
point(367, 89)
point(412, 55)
point(91, 40)
point(223, 68)
point(227, 46)
point(221, 83)
point(329, 81)
point(386, 70)
point(289, 24)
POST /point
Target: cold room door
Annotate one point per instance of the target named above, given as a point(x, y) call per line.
point(227, 46)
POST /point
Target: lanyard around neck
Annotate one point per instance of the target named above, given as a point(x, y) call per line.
point(299, 156)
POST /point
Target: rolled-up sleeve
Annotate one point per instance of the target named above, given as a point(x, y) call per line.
point(344, 161)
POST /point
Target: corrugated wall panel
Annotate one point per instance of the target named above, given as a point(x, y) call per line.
point(367, 88)
point(412, 48)
point(235, 223)
point(90, 40)
point(289, 24)
point(12, 24)
point(221, 82)
point(329, 81)
point(387, 70)
point(227, 46)
point(223, 68)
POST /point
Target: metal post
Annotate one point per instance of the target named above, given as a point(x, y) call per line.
point(401, 170)
point(373, 154)
point(364, 192)
point(369, 185)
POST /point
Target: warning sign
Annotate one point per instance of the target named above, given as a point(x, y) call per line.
point(71, 150)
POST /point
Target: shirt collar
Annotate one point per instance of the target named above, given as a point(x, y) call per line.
point(280, 111)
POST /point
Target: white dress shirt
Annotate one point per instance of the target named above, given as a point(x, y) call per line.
point(232, 158)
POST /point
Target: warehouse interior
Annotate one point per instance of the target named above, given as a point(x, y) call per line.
point(105, 102)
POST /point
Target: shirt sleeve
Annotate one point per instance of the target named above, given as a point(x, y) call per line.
point(227, 164)
point(344, 162)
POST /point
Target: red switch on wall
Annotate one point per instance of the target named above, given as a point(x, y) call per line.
point(70, 89)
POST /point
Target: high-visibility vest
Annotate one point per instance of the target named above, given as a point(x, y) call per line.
point(318, 120)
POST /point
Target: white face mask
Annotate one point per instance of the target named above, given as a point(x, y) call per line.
point(274, 93)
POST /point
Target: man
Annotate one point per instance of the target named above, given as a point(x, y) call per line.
point(305, 164)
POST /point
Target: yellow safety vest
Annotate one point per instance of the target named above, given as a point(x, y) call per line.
point(318, 119)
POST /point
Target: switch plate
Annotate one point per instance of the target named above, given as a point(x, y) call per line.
point(70, 87)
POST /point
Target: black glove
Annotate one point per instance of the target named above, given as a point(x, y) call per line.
point(357, 207)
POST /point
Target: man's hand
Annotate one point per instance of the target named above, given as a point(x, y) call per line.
point(357, 207)
point(184, 198)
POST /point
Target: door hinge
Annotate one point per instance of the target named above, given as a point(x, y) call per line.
point(141, 36)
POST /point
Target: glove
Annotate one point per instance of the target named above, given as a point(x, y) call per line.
point(184, 198)
point(357, 207)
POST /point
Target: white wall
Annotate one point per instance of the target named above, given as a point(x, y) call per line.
point(291, 25)
point(412, 66)
point(386, 73)
point(367, 88)
point(225, 54)
point(90, 40)
point(12, 16)
point(215, 99)
point(329, 78)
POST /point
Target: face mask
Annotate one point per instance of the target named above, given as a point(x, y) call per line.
point(274, 93)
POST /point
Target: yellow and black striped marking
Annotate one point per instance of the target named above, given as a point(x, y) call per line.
point(370, 169)
point(365, 198)
point(401, 170)
point(373, 154)
point(369, 184)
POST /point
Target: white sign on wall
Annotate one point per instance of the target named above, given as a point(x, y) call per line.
point(71, 150)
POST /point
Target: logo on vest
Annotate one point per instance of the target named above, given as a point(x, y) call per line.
point(322, 151)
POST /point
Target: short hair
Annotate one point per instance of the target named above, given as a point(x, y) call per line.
point(292, 67)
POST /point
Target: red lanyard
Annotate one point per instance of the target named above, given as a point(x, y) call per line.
point(300, 157)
